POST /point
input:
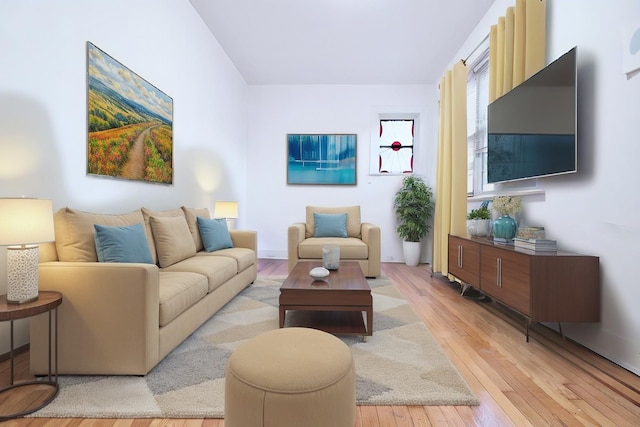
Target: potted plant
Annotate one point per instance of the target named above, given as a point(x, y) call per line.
point(479, 221)
point(413, 205)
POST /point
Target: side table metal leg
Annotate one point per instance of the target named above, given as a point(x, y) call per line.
point(11, 354)
point(49, 370)
point(56, 347)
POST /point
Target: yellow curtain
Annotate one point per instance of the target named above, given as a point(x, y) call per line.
point(516, 46)
point(451, 180)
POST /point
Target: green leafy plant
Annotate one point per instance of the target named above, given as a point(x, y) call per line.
point(413, 205)
point(480, 213)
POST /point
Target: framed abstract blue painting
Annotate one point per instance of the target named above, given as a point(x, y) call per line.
point(321, 159)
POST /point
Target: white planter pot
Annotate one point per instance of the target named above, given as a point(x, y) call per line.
point(479, 227)
point(411, 251)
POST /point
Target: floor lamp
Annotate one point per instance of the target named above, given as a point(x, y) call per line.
point(23, 224)
point(228, 211)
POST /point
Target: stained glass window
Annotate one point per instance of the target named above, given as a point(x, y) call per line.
point(395, 154)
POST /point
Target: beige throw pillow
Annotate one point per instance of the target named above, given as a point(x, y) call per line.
point(147, 214)
point(192, 215)
point(75, 232)
point(172, 238)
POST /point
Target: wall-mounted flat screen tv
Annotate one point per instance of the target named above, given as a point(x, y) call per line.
point(532, 129)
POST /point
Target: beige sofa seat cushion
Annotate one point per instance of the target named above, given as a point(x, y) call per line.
point(178, 292)
point(172, 239)
point(243, 256)
point(75, 232)
point(192, 215)
point(147, 214)
point(350, 248)
point(217, 269)
point(353, 218)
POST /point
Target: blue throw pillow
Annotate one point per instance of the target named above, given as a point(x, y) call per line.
point(214, 233)
point(122, 244)
point(330, 225)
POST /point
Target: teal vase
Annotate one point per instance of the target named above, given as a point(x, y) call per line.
point(504, 227)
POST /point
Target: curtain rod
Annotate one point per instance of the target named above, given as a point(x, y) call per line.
point(464, 61)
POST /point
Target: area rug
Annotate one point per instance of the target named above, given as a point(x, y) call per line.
point(401, 364)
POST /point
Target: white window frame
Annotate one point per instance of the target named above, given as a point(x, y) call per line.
point(477, 80)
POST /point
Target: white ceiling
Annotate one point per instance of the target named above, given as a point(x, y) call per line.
point(341, 41)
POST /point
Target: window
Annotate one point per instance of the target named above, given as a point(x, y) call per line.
point(395, 146)
point(477, 102)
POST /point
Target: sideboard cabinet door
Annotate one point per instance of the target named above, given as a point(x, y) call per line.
point(464, 260)
point(505, 275)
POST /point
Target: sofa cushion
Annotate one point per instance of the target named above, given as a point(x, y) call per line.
point(172, 239)
point(353, 219)
point(192, 214)
point(217, 269)
point(75, 232)
point(178, 292)
point(122, 244)
point(243, 256)
point(215, 234)
point(330, 225)
point(147, 214)
point(350, 248)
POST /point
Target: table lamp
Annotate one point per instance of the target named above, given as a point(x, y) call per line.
point(23, 223)
point(228, 211)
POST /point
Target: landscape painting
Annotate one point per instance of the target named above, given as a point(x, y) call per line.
point(321, 159)
point(130, 123)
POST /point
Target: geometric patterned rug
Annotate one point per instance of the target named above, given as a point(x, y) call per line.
point(401, 364)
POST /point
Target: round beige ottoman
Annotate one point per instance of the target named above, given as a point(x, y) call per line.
point(290, 377)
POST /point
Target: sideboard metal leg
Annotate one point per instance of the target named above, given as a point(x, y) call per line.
point(561, 331)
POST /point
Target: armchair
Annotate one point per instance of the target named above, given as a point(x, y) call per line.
point(359, 241)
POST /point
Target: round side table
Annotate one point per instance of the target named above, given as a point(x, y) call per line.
point(47, 302)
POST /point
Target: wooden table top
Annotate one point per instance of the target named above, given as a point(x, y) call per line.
point(348, 277)
point(47, 300)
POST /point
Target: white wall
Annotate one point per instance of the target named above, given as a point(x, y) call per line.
point(275, 111)
point(43, 105)
point(595, 211)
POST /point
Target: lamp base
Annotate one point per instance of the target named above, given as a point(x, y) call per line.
point(22, 301)
point(22, 274)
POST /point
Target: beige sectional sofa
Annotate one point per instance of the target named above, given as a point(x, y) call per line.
point(122, 318)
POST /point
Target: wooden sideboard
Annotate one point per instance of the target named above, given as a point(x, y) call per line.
point(543, 286)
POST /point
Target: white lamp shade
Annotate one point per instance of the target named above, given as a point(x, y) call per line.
point(26, 221)
point(226, 210)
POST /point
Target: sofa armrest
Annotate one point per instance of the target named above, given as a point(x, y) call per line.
point(245, 239)
point(371, 236)
point(108, 321)
point(295, 235)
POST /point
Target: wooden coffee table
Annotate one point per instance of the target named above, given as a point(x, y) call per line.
point(334, 304)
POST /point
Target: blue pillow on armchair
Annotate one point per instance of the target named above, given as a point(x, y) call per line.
point(122, 244)
point(330, 225)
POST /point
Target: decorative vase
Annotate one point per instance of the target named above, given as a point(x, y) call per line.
point(504, 227)
point(331, 257)
point(478, 227)
point(411, 251)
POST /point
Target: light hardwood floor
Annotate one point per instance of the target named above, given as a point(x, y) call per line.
point(546, 382)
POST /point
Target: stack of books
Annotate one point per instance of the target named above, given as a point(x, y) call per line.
point(503, 240)
point(535, 244)
point(527, 232)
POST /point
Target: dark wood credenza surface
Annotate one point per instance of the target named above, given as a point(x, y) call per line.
point(554, 286)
